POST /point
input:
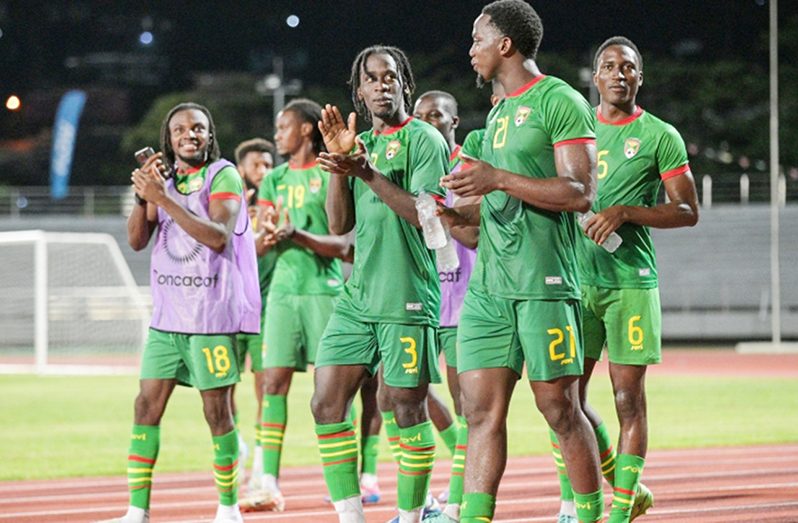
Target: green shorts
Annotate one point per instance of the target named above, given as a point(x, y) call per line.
point(251, 344)
point(500, 332)
point(447, 342)
point(627, 321)
point(293, 327)
point(201, 361)
point(409, 353)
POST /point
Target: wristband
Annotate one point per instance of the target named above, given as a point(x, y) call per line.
point(139, 199)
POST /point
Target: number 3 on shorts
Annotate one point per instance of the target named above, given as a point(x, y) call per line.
point(219, 362)
point(410, 348)
point(559, 337)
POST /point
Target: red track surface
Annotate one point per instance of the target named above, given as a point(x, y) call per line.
point(757, 484)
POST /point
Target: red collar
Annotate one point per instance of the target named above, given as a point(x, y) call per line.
point(391, 130)
point(629, 119)
point(527, 86)
point(308, 165)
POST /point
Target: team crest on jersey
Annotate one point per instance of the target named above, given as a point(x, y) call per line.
point(521, 115)
point(393, 149)
point(630, 147)
point(314, 184)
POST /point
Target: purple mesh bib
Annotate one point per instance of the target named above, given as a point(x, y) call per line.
point(194, 289)
point(455, 283)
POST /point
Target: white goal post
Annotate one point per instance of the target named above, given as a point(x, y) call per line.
point(69, 305)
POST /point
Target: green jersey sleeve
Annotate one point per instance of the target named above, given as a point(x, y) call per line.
point(227, 182)
point(671, 154)
point(429, 158)
point(266, 190)
point(568, 116)
point(472, 145)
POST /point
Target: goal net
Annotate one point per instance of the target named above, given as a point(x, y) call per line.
point(69, 305)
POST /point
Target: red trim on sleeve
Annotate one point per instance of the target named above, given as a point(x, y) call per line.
point(391, 130)
point(675, 172)
point(265, 203)
point(575, 141)
point(308, 165)
point(454, 153)
point(524, 88)
point(439, 199)
point(225, 196)
point(629, 119)
point(191, 170)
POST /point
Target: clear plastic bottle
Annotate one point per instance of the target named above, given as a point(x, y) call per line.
point(447, 255)
point(435, 234)
point(431, 226)
point(612, 242)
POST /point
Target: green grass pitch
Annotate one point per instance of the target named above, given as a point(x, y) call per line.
point(57, 427)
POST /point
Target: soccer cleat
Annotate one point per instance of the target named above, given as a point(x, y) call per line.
point(439, 518)
point(644, 500)
point(263, 499)
point(226, 514)
point(443, 497)
point(370, 495)
point(133, 516)
point(566, 518)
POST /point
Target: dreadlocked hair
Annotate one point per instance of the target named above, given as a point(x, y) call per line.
point(310, 112)
point(405, 73)
point(166, 143)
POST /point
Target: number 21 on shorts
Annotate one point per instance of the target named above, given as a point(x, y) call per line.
point(557, 352)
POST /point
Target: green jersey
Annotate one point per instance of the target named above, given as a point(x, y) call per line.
point(394, 278)
point(634, 156)
point(524, 252)
point(472, 145)
point(303, 192)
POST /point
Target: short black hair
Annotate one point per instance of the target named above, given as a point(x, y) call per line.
point(618, 40)
point(214, 153)
point(310, 112)
point(449, 97)
point(517, 20)
point(254, 145)
point(405, 73)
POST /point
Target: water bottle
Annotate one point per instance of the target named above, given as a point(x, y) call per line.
point(612, 242)
point(431, 226)
point(447, 255)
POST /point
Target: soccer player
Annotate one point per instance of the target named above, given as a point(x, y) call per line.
point(439, 109)
point(637, 153)
point(307, 278)
point(204, 291)
point(537, 167)
point(254, 160)
point(388, 312)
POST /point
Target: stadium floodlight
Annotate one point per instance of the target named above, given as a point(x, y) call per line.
point(70, 305)
point(13, 103)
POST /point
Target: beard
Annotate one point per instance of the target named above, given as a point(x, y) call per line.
point(198, 158)
point(481, 81)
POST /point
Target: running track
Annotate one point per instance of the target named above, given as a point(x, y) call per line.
point(757, 484)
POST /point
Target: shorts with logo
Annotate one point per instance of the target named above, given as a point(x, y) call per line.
point(500, 332)
point(199, 360)
point(408, 352)
point(251, 344)
point(627, 321)
point(293, 327)
point(447, 343)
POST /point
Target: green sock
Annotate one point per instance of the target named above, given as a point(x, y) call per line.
point(415, 466)
point(392, 430)
point(449, 436)
point(566, 491)
point(607, 453)
point(352, 416)
point(258, 435)
point(477, 507)
point(370, 449)
point(628, 470)
point(143, 451)
point(235, 420)
point(225, 467)
point(338, 449)
point(458, 463)
point(589, 507)
point(272, 424)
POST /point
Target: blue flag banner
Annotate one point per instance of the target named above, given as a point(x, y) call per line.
point(65, 132)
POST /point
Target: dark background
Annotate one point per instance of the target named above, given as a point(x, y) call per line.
point(705, 66)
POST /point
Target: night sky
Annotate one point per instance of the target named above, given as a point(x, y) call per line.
point(38, 38)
